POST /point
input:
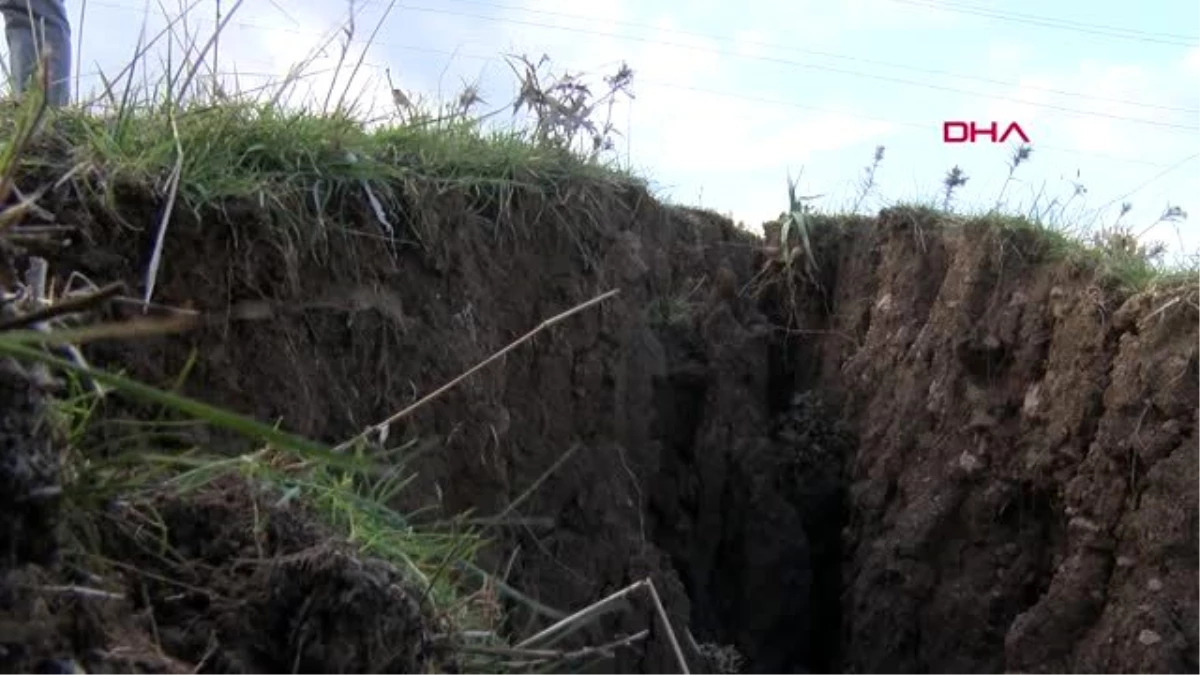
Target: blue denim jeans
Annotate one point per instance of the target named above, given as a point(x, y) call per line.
point(34, 27)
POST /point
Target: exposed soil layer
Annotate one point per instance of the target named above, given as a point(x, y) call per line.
point(220, 581)
point(948, 455)
point(1023, 493)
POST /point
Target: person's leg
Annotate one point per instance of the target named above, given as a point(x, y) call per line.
point(49, 31)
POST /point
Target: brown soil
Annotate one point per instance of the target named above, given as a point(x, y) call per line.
point(960, 456)
point(221, 581)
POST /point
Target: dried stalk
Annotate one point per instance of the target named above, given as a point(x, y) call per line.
point(543, 655)
point(596, 607)
point(482, 364)
point(70, 306)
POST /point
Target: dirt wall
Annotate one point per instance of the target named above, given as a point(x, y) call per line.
point(1023, 492)
point(963, 457)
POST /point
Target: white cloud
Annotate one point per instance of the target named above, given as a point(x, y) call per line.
point(1007, 55)
point(686, 131)
point(1191, 62)
point(824, 132)
point(1021, 104)
point(688, 60)
point(1105, 121)
point(1097, 136)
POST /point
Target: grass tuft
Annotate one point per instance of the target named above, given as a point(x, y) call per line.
point(1047, 229)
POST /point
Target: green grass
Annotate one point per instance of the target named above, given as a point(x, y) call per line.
point(1046, 227)
point(1113, 258)
point(298, 166)
point(352, 491)
point(251, 151)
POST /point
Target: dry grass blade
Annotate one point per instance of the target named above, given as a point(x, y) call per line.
point(11, 344)
point(361, 57)
point(28, 205)
point(84, 592)
point(140, 54)
point(168, 208)
point(598, 607)
point(71, 306)
point(27, 128)
point(79, 45)
point(544, 655)
point(482, 364)
point(662, 616)
point(212, 40)
point(537, 483)
point(122, 330)
point(17, 212)
point(580, 616)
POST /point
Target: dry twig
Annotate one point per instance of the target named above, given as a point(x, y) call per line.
point(381, 426)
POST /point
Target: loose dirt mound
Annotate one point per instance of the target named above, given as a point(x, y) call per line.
point(220, 581)
point(952, 455)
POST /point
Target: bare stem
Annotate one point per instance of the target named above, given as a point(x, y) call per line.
point(482, 364)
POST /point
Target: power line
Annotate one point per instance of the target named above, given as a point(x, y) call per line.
point(796, 64)
point(925, 127)
point(790, 63)
point(1158, 176)
point(833, 55)
point(1061, 24)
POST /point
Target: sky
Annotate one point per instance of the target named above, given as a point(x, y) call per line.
point(730, 99)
